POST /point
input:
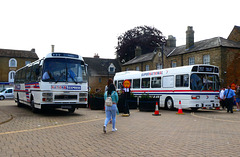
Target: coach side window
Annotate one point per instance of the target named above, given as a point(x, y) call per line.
point(156, 82)
point(182, 80)
point(136, 83)
point(146, 83)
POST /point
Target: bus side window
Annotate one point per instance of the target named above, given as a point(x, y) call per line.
point(136, 83)
point(146, 83)
point(156, 82)
point(168, 82)
point(182, 80)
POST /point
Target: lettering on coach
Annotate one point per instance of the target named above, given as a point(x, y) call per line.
point(66, 87)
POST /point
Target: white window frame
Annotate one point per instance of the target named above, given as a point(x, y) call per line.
point(191, 60)
point(206, 59)
point(158, 66)
point(11, 75)
point(137, 68)
point(27, 62)
point(174, 63)
point(113, 67)
point(12, 62)
point(147, 67)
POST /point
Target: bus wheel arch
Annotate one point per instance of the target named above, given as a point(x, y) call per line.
point(19, 104)
point(169, 104)
point(34, 110)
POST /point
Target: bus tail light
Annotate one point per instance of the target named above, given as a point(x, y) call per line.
point(196, 97)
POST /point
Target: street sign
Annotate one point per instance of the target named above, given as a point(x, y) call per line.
point(126, 84)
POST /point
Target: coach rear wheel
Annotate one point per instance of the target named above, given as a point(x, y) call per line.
point(169, 103)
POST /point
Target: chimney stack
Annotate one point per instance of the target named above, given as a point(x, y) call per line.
point(171, 41)
point(52, 48)
point(138, 51)
point(96, 55)
point(189, 37)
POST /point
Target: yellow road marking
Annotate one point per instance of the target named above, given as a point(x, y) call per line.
point(49, 127)
point(223, 120)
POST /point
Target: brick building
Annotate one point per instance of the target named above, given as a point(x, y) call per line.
point(10, 61)
point(224, 53)
point(99, 71)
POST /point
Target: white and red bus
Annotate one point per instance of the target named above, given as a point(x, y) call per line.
point(57, 81)
point(195, 86)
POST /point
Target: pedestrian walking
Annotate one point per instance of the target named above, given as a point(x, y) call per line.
point(221, 96)
point(111, 110)
point(238, 97)
point(229, 95)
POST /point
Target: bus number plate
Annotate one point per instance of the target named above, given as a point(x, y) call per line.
point(66, 107)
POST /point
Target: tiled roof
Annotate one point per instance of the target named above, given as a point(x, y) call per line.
point(141, 58)
point(204, 45)
point(18, 53)
point(99, 66)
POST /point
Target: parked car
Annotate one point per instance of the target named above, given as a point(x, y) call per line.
point(6, 93)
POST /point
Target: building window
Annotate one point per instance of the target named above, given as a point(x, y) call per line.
point(173, 63)
point(12, 62)
point(147, 67)
point(111, 68)
point(11, 76)
point(158, 66)
point(27, 62)
point(137, 68)
point(191, 60)
point(206, 59)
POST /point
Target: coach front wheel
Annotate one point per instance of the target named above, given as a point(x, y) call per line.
point(34, 110)
point(71, 110)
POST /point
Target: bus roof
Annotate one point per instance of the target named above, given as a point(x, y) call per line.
point(63, 55)
point(167, 71)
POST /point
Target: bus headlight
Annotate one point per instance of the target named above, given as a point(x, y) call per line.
point(195, 97)
point(83, 97)
point(216, 97)
point(47, 97)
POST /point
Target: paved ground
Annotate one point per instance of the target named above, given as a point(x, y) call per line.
point(58, 133)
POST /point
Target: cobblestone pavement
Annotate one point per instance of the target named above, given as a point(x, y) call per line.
point(57, 133)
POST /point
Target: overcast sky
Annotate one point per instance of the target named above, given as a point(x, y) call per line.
point(86, 27)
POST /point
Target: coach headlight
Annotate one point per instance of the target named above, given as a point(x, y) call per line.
point(47, 97)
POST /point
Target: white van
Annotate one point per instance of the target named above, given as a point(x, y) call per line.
point(6, 94)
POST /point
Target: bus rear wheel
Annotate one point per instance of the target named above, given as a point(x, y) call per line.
point(169, 103)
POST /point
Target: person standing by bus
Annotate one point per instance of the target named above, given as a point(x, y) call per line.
point(221, 96)
point(229, 95)
point(237, 97)
point(111, 111)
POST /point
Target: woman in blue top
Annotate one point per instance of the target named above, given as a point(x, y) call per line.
point(111, 110)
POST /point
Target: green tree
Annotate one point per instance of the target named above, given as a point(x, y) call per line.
point(148, 38)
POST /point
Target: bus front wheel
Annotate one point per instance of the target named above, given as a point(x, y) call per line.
point(18, 101)
point(71, 110)
point(169, 104)
point(34, 110)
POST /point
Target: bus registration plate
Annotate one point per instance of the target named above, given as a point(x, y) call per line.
point(207, 105)
point(66, 107)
